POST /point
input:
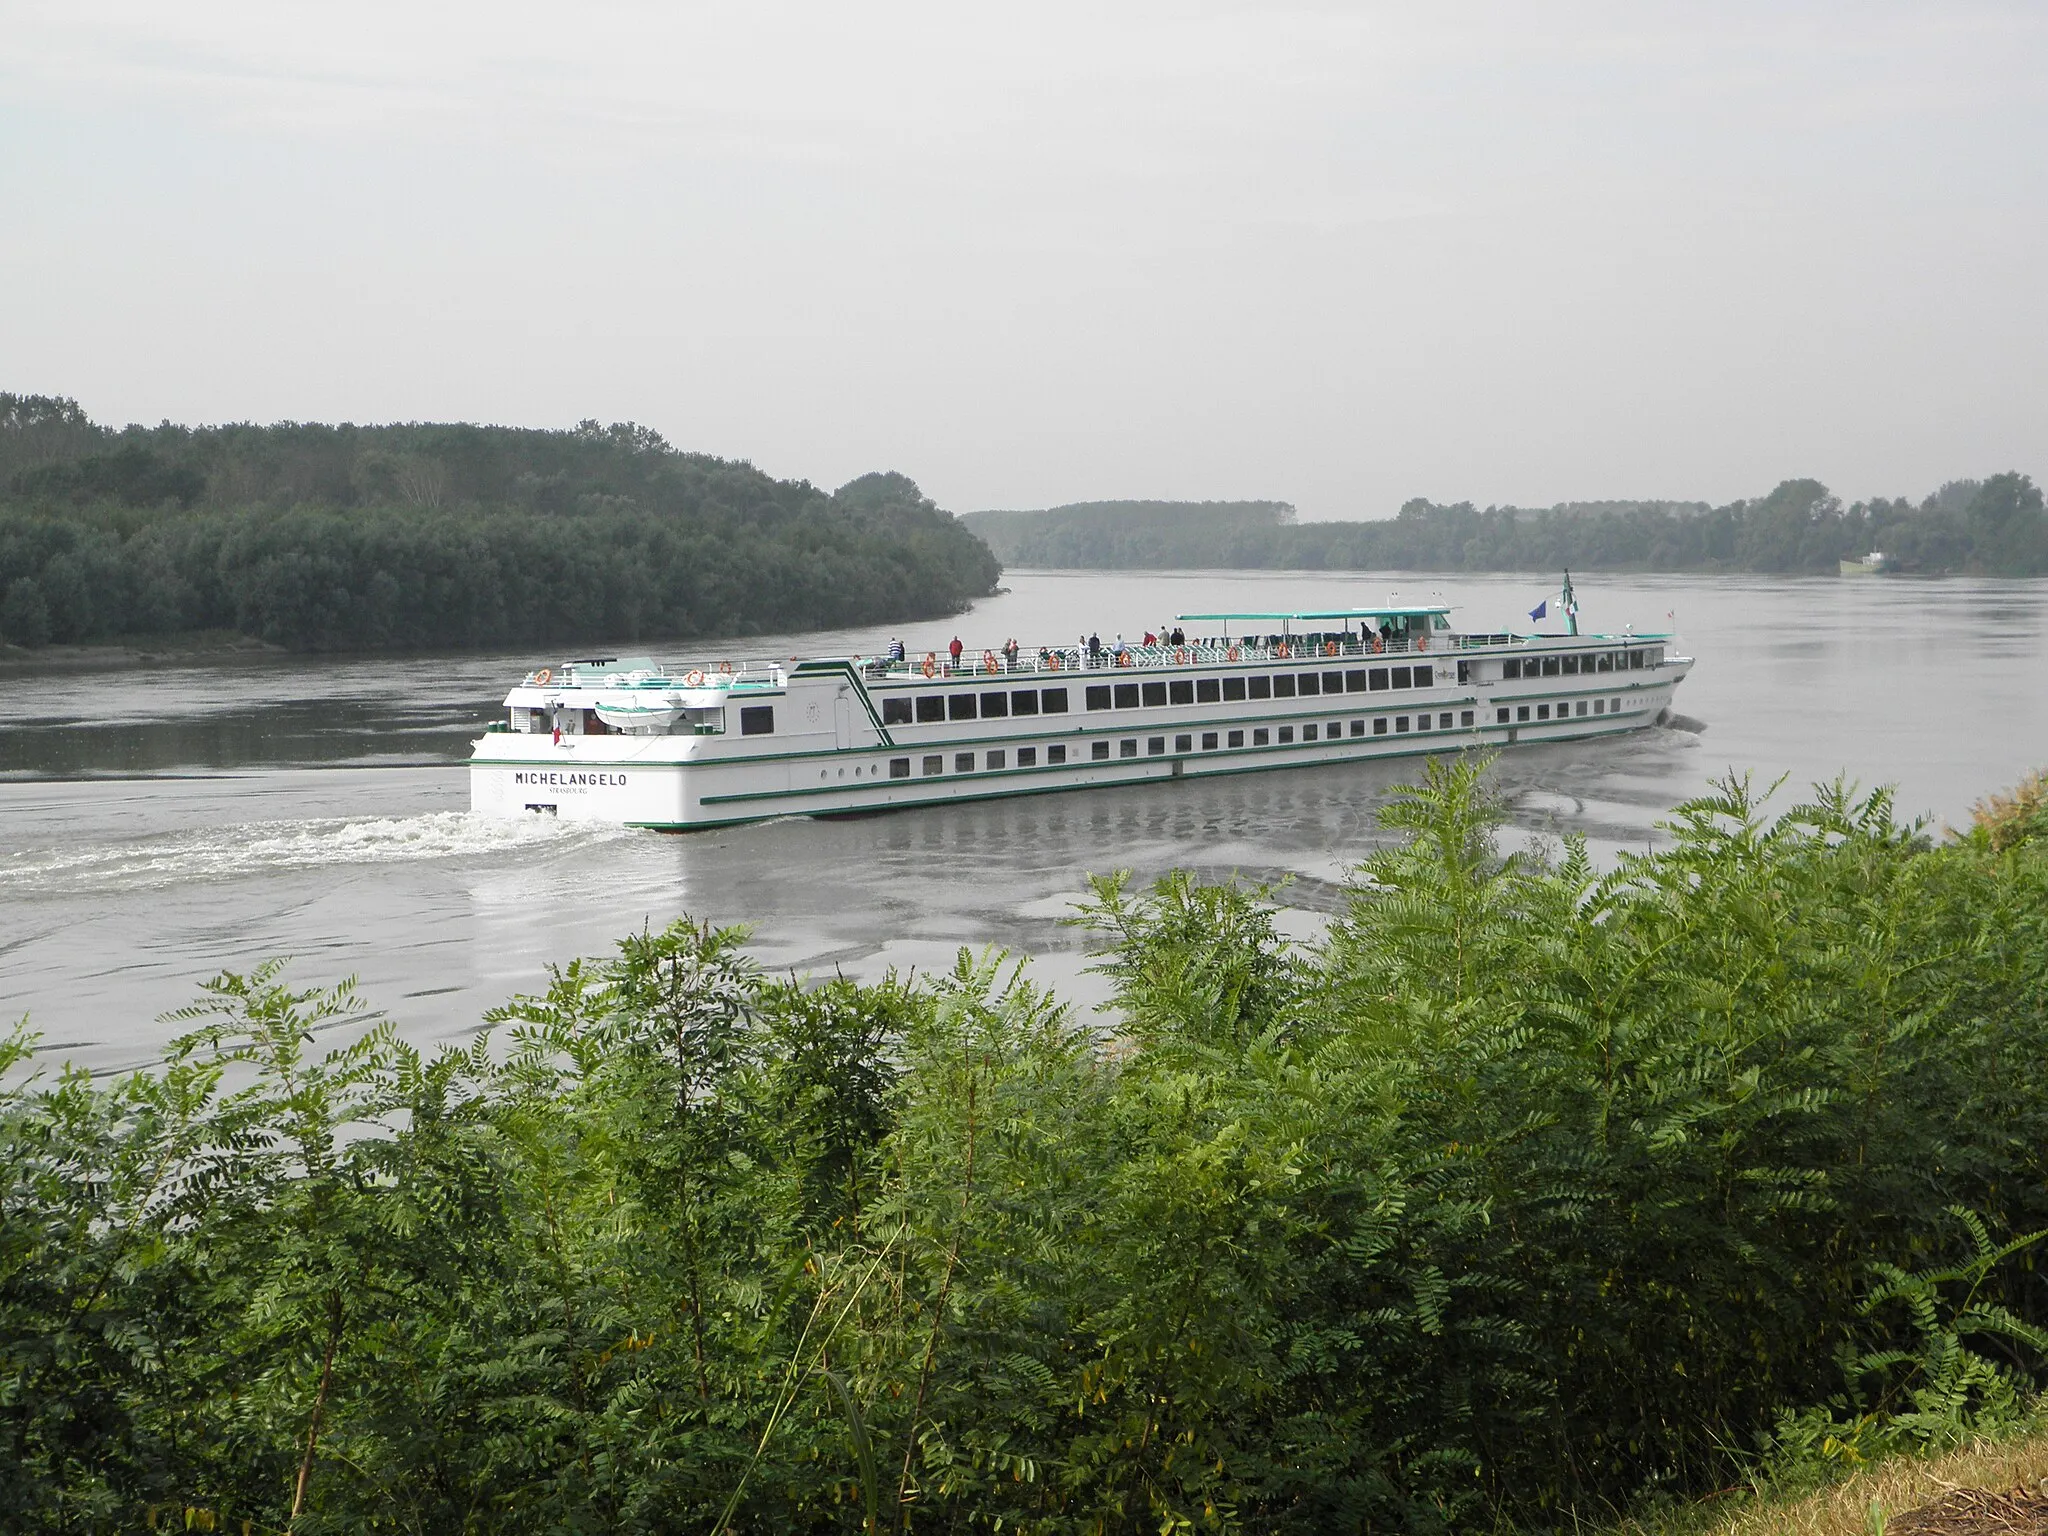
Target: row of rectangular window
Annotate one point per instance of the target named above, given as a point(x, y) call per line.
point(997, 704)
point(1564, 711)
point(963, 762)
point(1155, 746)
point(1579, 662)
point(1236, 688)
point(1284, 735)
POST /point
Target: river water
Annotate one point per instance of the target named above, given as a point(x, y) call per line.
point(166, 822)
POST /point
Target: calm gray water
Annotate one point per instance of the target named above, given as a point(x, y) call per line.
point(165, 823)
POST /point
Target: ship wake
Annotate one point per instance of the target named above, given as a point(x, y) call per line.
point(266, 847)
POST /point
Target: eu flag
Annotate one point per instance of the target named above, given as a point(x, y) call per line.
point(1541, 610)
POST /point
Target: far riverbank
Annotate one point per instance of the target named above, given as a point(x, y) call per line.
point(157, 651)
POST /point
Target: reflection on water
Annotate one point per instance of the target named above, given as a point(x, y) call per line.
point(165, 823)
point(256, 712)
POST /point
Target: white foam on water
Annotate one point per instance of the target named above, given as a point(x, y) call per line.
point(263, 847)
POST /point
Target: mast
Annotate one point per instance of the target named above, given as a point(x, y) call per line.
point(1571, 607)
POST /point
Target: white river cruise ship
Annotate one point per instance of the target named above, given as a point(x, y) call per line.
point(625, 740)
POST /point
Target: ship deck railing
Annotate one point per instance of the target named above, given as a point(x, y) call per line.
point(716, 674)
point(1064, 661)
point(1055, 661)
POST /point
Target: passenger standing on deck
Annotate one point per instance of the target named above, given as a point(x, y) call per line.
point(1010, 653)
point(1094, 648)
point(895, 650)
point(955, 649)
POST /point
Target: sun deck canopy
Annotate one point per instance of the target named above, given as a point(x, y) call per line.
point(1399, 617)
point(1323, 616)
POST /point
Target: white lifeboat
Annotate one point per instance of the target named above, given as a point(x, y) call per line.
point(654, 707)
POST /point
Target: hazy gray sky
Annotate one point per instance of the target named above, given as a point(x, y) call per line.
point(1337, 254)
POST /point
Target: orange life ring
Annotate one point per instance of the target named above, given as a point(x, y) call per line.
point(1280, 650)
point(544, 676)
point(1234, 653)
point(1422, 642)
point(1329, 647)
point(1123, 658)
point(988, 663)
point(1379, 643)
point(694, 680)
point(931, 663)
point(1054, 662)
point(1180, 656)
point(725, 668)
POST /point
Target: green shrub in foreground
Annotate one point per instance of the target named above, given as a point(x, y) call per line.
point(1531, 1192)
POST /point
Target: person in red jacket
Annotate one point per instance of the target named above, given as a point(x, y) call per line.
point(955, 648)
